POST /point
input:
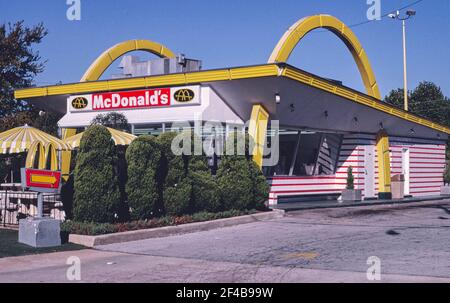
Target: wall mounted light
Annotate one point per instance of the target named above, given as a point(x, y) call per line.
point(292, 107)
point(277, 98)
point(355, 119)
point(381, 125)
point(412, 131)
point(325, 113)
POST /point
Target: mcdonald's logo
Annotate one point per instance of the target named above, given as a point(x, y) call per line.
point(184, 95)
point(79, 103)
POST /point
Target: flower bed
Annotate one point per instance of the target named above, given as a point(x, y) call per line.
point(95, 229)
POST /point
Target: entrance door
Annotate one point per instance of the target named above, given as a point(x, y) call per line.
point(369, 168)
point(406, 168)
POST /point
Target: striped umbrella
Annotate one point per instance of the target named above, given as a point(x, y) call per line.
point(119, 137)
point(19, 140)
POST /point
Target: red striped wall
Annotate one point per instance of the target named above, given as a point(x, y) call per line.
point(427, 164)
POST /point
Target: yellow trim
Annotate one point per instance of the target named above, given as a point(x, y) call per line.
point(51, 151)
point(251, 72)
point(99, 66)
point(258, 131)
point(352, 95)
point(36, 148)
point(301, 28)
point(66, 155)
point(384, 162)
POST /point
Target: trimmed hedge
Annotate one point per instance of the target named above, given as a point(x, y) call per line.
point(188, 183)
point(241, 183)
point(143, 157)
point(96, 185)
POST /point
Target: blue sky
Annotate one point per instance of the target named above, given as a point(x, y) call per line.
point(244, 32)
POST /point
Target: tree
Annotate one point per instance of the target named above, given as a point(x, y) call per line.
point(97, 195)
point(426, 100)
point(113, 120)
point(143, 158)
point(19, 64)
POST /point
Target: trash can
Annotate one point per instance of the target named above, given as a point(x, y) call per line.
point(398, 186)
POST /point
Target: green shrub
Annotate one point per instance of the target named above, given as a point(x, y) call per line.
point(235, 183)
point(241, 182)
point(143, 158)
point(188, 183)
point(205, 192)
point(97, 196)
point(350, 179)
point(447, 174)
point(260, 187)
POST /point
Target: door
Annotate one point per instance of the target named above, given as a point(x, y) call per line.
point(406, 169)
point(369, 168)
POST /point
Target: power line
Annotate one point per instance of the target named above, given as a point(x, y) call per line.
point(382, 16)
point(387, 14)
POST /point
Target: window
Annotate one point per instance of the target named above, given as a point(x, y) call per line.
point(148, 129)
point(304, 153)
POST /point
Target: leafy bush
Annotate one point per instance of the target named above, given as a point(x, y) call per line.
point(205, 192)
point(97, 196)
point(241, 182)
point(143, 158)
point(173, 171)
point(350, 179)
point(188, 183)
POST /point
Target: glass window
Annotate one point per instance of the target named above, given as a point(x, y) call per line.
point(148, 129)
point(303, 153)
point(305, 163)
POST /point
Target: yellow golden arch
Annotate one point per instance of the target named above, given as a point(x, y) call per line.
point(99, 66)
point(301, 28)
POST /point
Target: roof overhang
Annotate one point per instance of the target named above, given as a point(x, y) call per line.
point(307, 101)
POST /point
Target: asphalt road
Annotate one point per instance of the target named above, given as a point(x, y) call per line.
point(331, 245)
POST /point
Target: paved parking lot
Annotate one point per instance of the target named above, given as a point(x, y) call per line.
point(331, 245)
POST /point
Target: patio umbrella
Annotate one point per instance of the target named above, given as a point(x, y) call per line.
point(19, 140)
point(119, 138)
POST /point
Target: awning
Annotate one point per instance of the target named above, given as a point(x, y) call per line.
point(119, 137)
point(19, 139)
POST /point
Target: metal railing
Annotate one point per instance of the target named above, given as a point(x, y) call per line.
point(16, 205)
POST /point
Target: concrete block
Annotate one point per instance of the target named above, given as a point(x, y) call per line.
point(445, 190)
point(40, 232)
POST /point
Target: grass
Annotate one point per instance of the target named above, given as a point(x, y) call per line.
point(10, 247)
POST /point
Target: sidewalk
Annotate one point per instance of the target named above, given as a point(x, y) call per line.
point(335, 204)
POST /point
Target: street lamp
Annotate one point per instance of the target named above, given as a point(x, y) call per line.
point(396, 16)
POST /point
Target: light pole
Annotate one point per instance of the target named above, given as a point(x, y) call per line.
point(396, 16)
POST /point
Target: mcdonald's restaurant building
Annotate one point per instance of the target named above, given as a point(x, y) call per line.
point(323, 127)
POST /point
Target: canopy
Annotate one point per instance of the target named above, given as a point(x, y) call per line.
point(119, 137)
point(20, 139)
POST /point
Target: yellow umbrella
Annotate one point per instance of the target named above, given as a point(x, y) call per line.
point(119, 137)
point(20, 139)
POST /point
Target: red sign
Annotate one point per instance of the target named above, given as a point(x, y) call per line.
point(42, 178)
point(132, 99)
